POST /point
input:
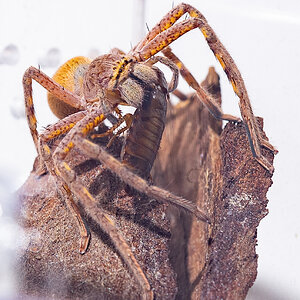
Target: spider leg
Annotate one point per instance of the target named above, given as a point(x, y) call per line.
point(128, 120)
point(51, 86)
point(169, 63)
point(116, 123)
point(167, 21)
point(212, 105)
point(62, 126)
point(165, 33)
point(210, 83)
point(180, 95)
point(84, 231)
point(96, 152)
point(66, 195)
point(205, 97)
point(108, 225)
point(51, 132)
point(81, 129)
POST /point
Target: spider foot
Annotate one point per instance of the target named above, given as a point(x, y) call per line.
point(39, 167)
point(84, 243)
point(265, 163)
point(269, 146)
point(231, 118)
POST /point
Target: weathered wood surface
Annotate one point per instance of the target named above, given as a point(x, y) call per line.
point(216, 170)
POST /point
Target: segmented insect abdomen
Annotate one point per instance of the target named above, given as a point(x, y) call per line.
point(144, 135)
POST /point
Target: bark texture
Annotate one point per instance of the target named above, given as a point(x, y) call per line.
point(216, 170)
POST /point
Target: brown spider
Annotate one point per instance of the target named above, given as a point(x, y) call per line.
point(84, 93)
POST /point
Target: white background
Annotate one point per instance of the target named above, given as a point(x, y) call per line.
point(262, 37)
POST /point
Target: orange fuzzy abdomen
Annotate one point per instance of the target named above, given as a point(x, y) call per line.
point(70, 76)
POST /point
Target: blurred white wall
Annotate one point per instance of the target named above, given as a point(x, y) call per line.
point(263, 38)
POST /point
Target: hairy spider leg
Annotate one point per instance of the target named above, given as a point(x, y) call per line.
point(63, 102)
point(62, 126)
point(167, 21)
point(210, 84)
point(81, 129)
point(207, 99)
point(51, 86)
point(169, 63)
point(165, 33)
point(126, 118)
point(97, 152)
point(51, 132)
point(54, 131)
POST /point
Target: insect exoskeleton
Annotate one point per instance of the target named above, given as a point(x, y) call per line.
point(144, 136)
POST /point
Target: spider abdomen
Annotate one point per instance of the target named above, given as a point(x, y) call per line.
point(70, 76)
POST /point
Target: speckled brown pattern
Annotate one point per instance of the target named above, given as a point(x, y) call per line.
point(217, 171)
point(49, 263)
point(232, 261)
